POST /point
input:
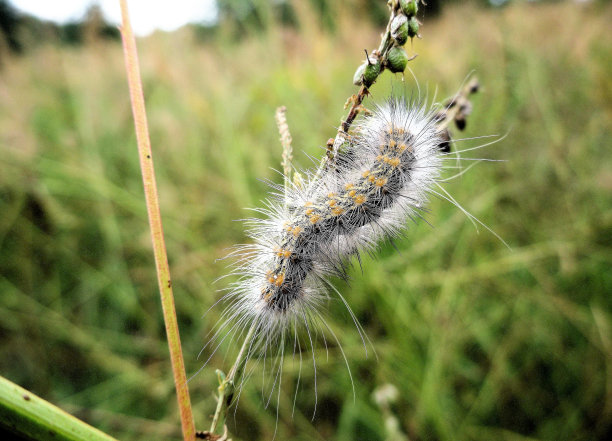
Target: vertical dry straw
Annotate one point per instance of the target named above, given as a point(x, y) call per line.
point(155, 224)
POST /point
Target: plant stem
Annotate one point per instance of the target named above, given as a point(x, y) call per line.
point(228, 385)
point(155, 224)
point(33, 418)
point(383, 49)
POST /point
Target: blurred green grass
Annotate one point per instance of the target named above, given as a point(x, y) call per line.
point(482, 342)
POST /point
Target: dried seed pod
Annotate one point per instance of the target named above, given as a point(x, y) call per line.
point(445, 141)
point(460, 121)
point(399, 29)
point(474, 86)
point(439, 116)
point(413, 27)
point(397, 59)
point(466, 107)
point(409, 7)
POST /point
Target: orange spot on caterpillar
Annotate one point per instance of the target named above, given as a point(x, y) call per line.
point(314, 218)
point(349, 186)
point(276, 280)
point(392, 143)
point(360, 199)
point(352, 193)
point(296, 231)
point(283, 252)
point(307, 204)
point(331, 203)
point(394, 162)
point(372, 178)
point(279, 279)
point(337, 211)
point(381, 181)
point(266, 294)
point(365, 174)
point(309, 211)
point(331, 195)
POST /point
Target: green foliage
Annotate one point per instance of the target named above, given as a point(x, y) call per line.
point(26, 415)
point(481, 342)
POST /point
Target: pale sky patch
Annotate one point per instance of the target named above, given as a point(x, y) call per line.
point(146, 15)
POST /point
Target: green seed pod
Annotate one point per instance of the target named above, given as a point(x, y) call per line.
point(397, 58)
point(372, 70)
point(358, 77)
point(409, 7)
point(413, 27)
point(367, 73)
point(399, 29)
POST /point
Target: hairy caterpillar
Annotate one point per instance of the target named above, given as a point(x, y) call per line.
point(309, 233)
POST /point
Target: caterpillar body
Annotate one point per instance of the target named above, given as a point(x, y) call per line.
point(380, 179)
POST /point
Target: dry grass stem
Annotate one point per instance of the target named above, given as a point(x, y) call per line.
point(155, 223)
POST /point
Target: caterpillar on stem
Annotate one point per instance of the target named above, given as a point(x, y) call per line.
point(309, 231)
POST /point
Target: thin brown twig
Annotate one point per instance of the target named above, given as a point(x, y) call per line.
point(155, 223)
point(385, 45)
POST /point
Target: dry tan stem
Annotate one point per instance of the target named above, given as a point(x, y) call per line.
point(155, 223)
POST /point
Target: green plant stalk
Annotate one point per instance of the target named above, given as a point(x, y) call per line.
point(31, 417)
point(228, 384)
point(342, 134)
point(383, 49)
point(157, 235)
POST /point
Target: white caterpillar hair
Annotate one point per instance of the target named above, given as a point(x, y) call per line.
point(310, 231)
point(380, 178)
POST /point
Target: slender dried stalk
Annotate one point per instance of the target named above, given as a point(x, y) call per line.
point(155, 224)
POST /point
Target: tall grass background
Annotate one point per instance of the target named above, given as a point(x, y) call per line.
point(482, 342)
